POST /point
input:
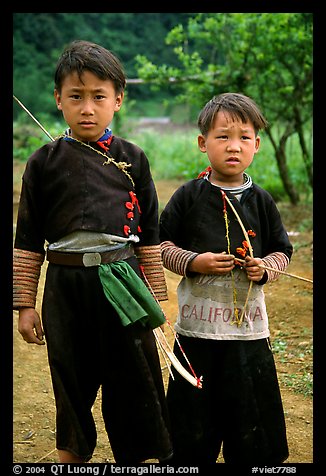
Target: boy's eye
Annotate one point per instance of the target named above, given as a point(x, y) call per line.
point(99, 96)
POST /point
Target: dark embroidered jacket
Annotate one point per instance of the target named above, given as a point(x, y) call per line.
point(66, 188)
point(193, 220)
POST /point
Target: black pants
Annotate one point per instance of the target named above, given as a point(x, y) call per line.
point(239, 405)
point(88, 348)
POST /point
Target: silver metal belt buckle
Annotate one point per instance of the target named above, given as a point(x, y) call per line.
point(91, 259)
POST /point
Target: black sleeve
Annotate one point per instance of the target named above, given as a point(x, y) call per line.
point(278, 237)
point(29, 230)
point(172, 217)
point(148, 202)
point(267, 221)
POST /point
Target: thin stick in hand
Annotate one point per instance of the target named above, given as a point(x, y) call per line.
point(278, 271)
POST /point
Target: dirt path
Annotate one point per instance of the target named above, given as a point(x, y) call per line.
point(289, 304)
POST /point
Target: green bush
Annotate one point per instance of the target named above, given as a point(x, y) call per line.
point(173, 154)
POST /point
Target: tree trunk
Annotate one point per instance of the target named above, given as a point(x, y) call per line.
point(280, 155)
point(305, 153)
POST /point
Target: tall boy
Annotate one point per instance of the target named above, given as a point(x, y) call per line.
point(90, 196)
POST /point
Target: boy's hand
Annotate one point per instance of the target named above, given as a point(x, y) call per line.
point(212, 263)
point(30, 327)
point(254, 272)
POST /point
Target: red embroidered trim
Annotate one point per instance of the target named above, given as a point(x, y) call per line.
point(105, 143)
point(204, 172)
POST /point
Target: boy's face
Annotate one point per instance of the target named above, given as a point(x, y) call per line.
point(88, 107)
point(230, 146)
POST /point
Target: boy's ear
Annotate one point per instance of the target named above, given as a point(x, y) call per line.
point(201, 143)
point(257, 144)
point(119, 101)
point(57, 99)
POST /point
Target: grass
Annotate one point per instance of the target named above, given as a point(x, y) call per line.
point(302, 383)
point(300, 356)
point(176, 156)
point(173, 154)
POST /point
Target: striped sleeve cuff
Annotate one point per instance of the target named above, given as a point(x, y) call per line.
point(26, 273)
point(150, 260)
point(176, 259)
point(278, 261)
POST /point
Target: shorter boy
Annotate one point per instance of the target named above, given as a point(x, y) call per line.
point(222, 323)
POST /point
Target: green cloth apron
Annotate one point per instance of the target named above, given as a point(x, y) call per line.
point(129, 295)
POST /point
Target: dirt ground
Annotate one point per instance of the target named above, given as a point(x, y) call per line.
point(289, 305)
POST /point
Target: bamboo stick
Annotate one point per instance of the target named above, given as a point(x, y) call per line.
point(278, 271)
point(34, 119)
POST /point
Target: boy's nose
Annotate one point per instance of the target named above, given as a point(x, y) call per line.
point(87, 107)
point(234, 146)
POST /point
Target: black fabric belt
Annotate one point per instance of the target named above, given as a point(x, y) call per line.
point(89, 259)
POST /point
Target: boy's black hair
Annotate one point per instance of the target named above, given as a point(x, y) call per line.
point(82, 55)
point(237, 106)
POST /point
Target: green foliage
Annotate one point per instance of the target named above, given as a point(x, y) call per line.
point(187, 58)
point(288, 352)
point(39, 38)
point(302, 383)
point(172, 155)
point(29, 137)
point(175, 155)
point(266, 56)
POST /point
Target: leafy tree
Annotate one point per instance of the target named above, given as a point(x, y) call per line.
point(267, 56)
point(40, 37)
